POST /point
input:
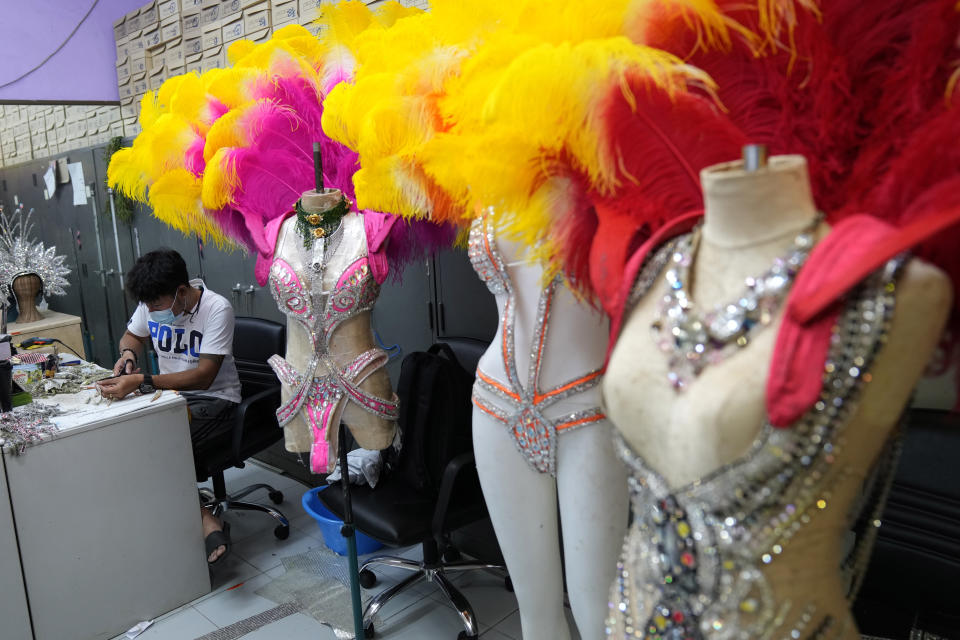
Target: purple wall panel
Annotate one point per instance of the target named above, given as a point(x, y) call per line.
point(84, 70)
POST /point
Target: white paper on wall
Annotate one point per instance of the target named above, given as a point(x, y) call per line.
point(50, 181)
point(79, 188)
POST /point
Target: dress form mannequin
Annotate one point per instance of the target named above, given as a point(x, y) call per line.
point(589, 485)
point(26, 288)
point(351, 338)
point(750, 218)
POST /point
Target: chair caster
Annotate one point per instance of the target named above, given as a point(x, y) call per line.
point(368, 631)
point(367, 579)
point(276, 497)
point(463, 636)
point(282, 532)
point(452, 555)
point(508, 584)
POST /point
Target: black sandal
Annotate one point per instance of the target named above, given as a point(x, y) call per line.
point(218, 539)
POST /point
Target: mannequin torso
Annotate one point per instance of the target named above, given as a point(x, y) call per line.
point(352, 337)
point(546, 446)
point(749, 220)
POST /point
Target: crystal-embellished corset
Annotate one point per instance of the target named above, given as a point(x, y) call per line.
point(692, 564)
point(520, 406)
point(321, 396)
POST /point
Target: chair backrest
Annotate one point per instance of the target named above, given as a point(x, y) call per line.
point(916, 559)
point(435, 409)
point(254, 341)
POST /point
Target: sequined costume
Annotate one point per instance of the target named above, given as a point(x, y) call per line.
point(520, 406)
point(692, 565)
point(322, 398)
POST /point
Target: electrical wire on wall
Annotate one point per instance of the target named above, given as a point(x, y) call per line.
point(55, 51)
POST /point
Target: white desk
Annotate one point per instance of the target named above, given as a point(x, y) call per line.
point(106, 518)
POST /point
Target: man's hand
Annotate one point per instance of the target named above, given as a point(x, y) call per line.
point(120, 387)
point(124, 365)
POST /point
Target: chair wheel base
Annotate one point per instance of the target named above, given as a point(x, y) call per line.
point(282, 532)
point(369, 631)
point(276, 497)
point(464, 636)
point(367, 579)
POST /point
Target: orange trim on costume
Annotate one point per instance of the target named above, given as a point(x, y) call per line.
point(586, 420)
point(494, 383)
point(537, 398)
point(487, 411)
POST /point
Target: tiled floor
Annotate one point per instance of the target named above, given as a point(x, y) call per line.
point(419, 614)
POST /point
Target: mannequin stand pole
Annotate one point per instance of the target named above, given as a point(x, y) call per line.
point(349, 533)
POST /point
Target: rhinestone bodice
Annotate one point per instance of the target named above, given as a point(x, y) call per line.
point(693, 563)
point(519, 403)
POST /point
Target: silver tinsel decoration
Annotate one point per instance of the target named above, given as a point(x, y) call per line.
point(20, 255)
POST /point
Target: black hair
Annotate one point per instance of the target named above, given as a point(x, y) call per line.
point(157, 274)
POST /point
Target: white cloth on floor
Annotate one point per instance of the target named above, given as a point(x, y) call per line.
point(363, 467)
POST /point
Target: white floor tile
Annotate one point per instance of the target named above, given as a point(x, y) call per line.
point(265, 551)
point(401, 601)
point(486, 592)
point(186, 623)
point(510, 627)
point(493, 634)
point(296, 627)
point(237, 603)
point(231, 571)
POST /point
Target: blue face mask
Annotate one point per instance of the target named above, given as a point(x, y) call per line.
point(166, 316)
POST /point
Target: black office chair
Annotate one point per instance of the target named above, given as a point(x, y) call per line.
point(910, 588)
point(255, 429)
point(399, 514)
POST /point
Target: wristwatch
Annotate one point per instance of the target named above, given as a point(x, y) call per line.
point(147, 385)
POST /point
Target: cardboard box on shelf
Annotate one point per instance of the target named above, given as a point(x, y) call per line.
point(38, 140)
point(60, 134)
point(59, 115)
point(140, 87)
point(123, 48)
point(229, 7)
point(212, 36)
point(233, 28)
point(133, 23)
point(309, 10)
point(191, 6)
point(170, 29)
point(173, 57)
point(126, 90)
point(192, 47)
point(149, 15)
point(284, 11)
point(256, 19)
point(152, 37)
point(93, 123)
point(168, 9)
point(123, 70)
point(210, 15)
point(191, 27)
point(194, 65)
point(156, 77)
point(120, 27)
point(175, 71)
point(138, 65)
point(22, 128)
point(212, 59)
point(156, 59)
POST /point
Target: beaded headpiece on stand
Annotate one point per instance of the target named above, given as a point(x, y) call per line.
point(20, 255)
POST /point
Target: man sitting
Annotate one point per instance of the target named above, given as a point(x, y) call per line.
point(192, 332)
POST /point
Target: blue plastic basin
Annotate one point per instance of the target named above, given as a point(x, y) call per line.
point(330, 526)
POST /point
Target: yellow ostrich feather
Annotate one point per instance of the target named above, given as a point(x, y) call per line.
point(219, 180)
point(175, 199)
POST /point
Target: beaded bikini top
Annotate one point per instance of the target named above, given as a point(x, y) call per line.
point(520, 407)
point(691, 565)
point(320, 313)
